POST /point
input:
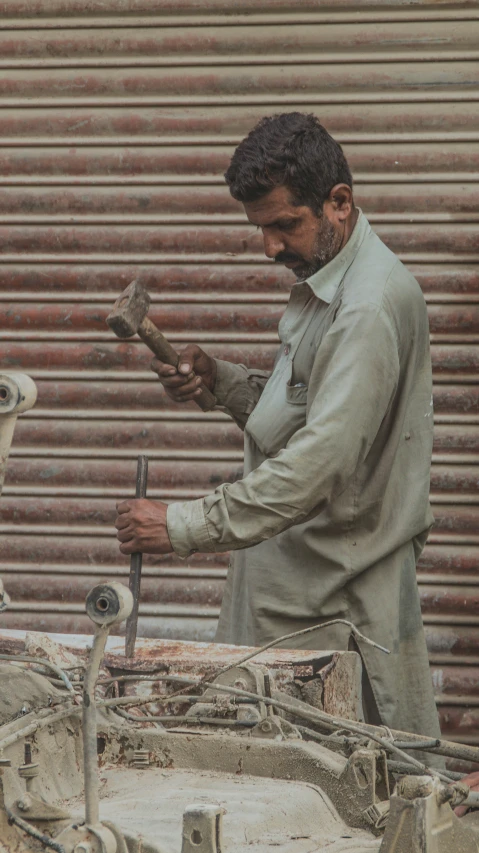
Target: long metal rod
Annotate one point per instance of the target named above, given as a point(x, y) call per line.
point(89, 727)
point(135, 565)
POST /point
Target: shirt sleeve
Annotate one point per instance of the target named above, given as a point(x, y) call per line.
point(352, 384)
point(238, 389)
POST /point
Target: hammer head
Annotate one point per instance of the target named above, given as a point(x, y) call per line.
point(129, 310)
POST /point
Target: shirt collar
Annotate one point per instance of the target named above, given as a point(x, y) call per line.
point(326, 281)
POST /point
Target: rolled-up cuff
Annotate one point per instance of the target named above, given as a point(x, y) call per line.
point(187, 529)
point(230, 385)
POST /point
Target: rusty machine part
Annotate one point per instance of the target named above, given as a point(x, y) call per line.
point(18, 393)
point(252, 759)
point(135, 565)
point(129, 317)
point(107, 605)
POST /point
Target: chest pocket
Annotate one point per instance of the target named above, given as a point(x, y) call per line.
point(280, 412)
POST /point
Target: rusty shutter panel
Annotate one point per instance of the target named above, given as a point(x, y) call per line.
point(117, 120)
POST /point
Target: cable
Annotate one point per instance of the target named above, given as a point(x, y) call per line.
point(30, 830)
point(355, 631)
point(42, 719)
point(193, 721)
point(44, 662)
point(314, 716)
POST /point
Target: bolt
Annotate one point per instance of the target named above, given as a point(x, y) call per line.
point(24, 804)
point(266, 726)
point(82, 847)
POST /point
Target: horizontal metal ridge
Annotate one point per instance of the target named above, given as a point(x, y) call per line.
point(37, 180)
point(153, 453)
point(98, 491)
point(456, 660)
point(450, 699)
point(234, 18)
point(440, 580)
point(114, 414)
point(151, 258)
point(446, 95)
point(157, 414)
point(133, 219)
point(173, 493)
point(201, 140)
point(172, 454)
point(449, 619)
point(357, 57)
point(86, 569)
point(219, 297)
point(213, 336)
point(203, 298)
point(146, 609)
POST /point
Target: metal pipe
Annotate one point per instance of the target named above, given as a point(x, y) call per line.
point(106, 605)
point(46, 840)
point(43, 718)
point(135, 565)
point(90, 761)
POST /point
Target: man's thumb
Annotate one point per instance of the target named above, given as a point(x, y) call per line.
point(186, 361)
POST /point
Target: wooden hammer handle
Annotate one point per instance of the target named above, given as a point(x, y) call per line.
point(165, 352)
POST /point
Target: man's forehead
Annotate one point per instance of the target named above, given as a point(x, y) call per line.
point(274, 205)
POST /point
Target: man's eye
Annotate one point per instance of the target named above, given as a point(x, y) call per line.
point(287, 225)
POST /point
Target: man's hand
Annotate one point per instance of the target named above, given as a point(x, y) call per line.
point(180, 384)
point(472, 781)
point(141, 526)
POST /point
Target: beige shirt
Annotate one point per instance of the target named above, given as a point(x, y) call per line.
point(333, 509)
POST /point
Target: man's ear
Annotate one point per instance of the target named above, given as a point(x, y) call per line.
point(340, 202)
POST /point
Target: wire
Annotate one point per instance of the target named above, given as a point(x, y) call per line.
point(315, 716)
point(44, 662)
point(44, 717)
point(30, 830)
point(193, 720)
point(355, 631)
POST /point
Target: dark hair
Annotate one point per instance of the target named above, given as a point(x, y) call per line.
point(292, 150)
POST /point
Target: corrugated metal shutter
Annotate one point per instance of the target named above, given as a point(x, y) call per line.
point(117, 120)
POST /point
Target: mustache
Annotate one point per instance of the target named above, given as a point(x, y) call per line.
point(286, 258)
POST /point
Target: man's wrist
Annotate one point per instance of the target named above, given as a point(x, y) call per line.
point(187, 529)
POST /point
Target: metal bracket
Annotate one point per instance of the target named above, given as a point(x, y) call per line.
point(275, 728)
point(202, 829)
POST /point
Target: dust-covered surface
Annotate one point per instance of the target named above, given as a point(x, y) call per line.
point(23, 692)
point(260, 814)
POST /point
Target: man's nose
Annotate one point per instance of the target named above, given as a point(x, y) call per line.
point(273, 244)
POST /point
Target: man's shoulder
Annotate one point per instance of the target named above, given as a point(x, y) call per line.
point(377, 277)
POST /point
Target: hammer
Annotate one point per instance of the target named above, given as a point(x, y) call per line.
point(129, 317)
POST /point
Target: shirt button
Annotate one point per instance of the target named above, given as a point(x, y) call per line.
point(407, 436)
point(287, 349)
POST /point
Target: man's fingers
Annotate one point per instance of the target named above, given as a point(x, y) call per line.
point(177, 382)
point(123, 506)
point(125, 535)
point(128, 547)
point(162, 369)
point(123, 521)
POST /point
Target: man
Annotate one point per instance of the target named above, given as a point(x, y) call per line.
point(333, 510)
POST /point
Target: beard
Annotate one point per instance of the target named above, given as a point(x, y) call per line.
point(326, 246)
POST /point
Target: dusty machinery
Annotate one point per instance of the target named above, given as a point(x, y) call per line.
point(197, 748)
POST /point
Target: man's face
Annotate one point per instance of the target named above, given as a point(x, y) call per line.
point(295, 236)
